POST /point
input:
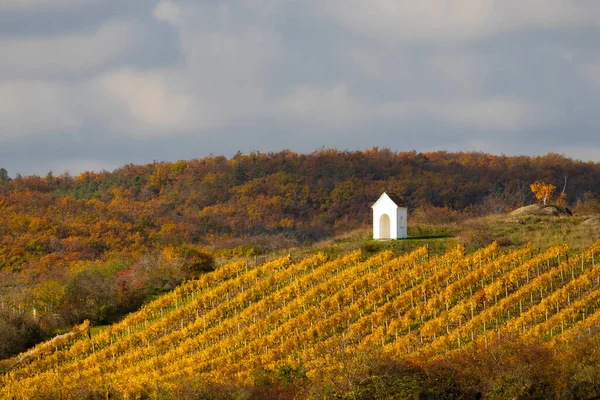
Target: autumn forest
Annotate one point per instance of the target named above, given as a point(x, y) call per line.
point(97, 246)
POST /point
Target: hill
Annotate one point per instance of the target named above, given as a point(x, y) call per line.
point(305, 196)
point(512, 323)
point(99, 245)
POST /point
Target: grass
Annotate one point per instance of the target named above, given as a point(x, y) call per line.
point(541, 231)
point(473, 233)
point(438, 238)
point(435, 244)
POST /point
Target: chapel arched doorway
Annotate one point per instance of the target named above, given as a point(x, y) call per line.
point(384, 226)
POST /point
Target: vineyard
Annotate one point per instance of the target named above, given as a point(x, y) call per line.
point(321, 319)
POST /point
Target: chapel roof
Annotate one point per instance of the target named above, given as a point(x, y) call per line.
point(396, 198)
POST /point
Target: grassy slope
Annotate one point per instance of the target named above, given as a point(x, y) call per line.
point(541, 231)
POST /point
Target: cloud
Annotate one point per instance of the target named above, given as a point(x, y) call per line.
point(591, 153)
point(590, 72)
point(495, 114)
point(229, 52)
point(27, 5)
point(443, 21)
point(168, 11)
point(219, 82)
point(32, 108)
point(149, 105)
point(178, 78)
point(329, 106)
point(225, 81)
point(335, 107)
point(69, 53)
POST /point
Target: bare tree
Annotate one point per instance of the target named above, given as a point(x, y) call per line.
point(503, 199)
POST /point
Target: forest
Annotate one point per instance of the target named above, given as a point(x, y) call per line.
point(100, 244)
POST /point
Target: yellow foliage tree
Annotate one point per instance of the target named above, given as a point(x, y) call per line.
point(542, 191)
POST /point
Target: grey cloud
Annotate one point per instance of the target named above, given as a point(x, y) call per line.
point(68, 16)
point(443, 22)
point(183, 79)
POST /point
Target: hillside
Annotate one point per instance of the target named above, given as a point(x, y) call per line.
point(504, 323)
point(304, 196)
point(101, 244)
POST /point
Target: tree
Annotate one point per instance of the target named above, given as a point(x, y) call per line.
point(196, 262)
point(542, 191)
point(4, 175)
point(18, 331)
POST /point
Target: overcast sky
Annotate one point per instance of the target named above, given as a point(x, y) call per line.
point(95, 84)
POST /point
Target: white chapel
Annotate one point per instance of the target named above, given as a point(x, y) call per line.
point(389, 217)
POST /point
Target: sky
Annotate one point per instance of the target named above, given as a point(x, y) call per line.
point(97, 84)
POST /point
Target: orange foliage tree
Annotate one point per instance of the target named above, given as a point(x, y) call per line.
point(542, 191)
